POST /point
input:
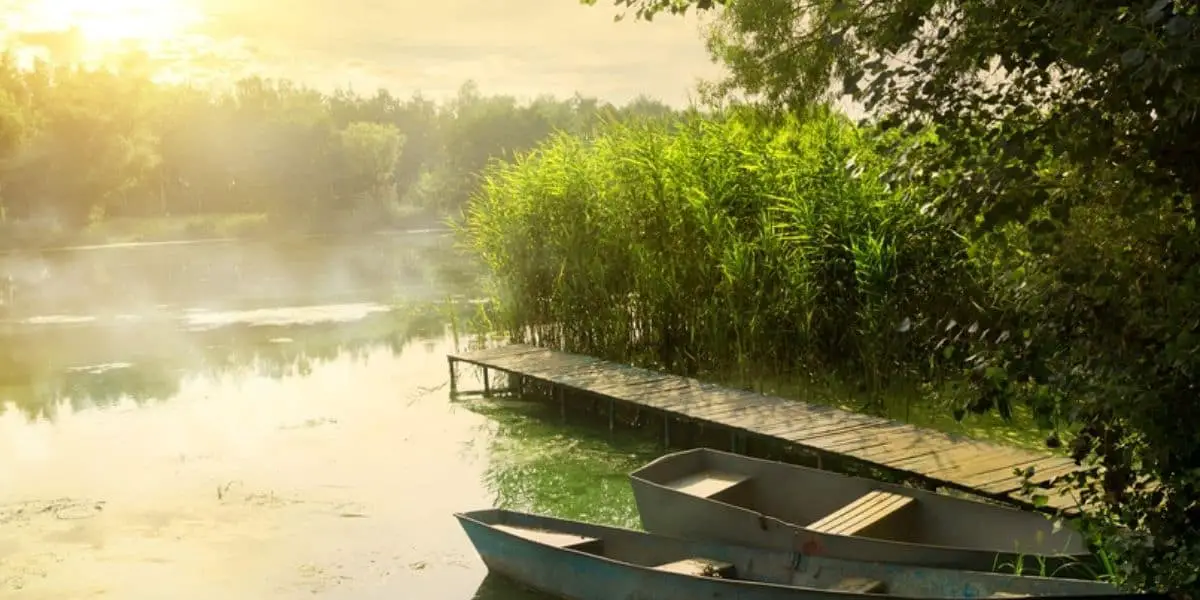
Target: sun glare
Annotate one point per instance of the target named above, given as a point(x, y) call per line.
point(108, 22)
point(102, 30)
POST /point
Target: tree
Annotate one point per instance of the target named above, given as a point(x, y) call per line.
point(369, 153)
point(1061, 136)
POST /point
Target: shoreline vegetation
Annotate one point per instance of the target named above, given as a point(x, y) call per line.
point(755, 253)
point(1010, 251)
point(94, 156)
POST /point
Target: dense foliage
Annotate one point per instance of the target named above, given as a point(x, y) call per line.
point(706, 244)
point(1060, 138)
point(83, 147)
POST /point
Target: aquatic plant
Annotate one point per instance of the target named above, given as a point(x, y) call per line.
point(704, 245)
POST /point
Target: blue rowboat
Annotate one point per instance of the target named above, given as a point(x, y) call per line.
point(583, 561)
point(707, 494)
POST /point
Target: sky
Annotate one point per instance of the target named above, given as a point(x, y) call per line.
point(519, 47)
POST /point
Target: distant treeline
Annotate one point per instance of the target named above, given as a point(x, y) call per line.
point(79, 147)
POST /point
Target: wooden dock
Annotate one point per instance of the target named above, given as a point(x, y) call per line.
point(938, 458)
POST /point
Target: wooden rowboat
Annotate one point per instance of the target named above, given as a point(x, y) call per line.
point(583, 561)
point(706, 494)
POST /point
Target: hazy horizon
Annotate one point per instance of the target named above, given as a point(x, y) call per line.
point(525, 48)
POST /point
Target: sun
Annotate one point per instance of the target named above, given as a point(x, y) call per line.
point(108, 27)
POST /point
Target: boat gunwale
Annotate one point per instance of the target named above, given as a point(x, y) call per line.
point(833, 593)
point(879, 486)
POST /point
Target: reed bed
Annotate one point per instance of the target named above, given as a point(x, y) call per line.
point(719, 245)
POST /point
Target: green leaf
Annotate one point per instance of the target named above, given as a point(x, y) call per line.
point(1133, 57)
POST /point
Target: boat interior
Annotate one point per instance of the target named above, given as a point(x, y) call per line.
point(665, 554)
point(836, 504)
point(761, 566)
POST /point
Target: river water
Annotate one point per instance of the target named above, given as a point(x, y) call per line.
point(257, 421)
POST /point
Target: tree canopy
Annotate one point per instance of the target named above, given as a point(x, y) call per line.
point(80, 147)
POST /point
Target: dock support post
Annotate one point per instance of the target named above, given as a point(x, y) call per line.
point(666, 432)
point(487, 385)
point(453, 376)
point(612, 415)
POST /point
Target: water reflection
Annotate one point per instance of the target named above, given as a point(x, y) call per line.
point(222, 275)
point(44, 366)
point(498, 588)
point(271, 452)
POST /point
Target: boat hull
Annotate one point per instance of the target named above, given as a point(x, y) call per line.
point(620, 567)
point(755, 515)
point(574, 576)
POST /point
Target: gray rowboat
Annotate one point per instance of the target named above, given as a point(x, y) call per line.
point(706, 494)
point(582, 561)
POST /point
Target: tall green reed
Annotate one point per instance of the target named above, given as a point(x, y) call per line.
point(717, 245)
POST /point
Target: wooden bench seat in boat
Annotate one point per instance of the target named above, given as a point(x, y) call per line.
point(709, 484)
point(700, 567)
point(870, 515)
point(860, 585)
point(557, 539)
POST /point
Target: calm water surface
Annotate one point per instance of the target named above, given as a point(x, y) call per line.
point(236, 439)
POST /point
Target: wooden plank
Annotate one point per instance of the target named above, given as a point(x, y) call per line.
point(1045, 473)
point(895, 434)
point(984, 477)
point(804, 429)
point(707, 484)
point(488, 354)
point(686, 399)
point(891, 454)
point(1012, 482)
point(759, 420)
point(860, 585)
point(958, 456)
point(584, 378)
point(951, 460)
point(625, 390)
point(723, 412)
point(724, 408)
point(700, 567)
point(942, 458)
point(538, 364)
point(800, 422)
point(746, 407)
point(550, 538)
point(868, 511)
point(662, 397)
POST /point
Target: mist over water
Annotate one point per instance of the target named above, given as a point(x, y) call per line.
point(265, 421)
